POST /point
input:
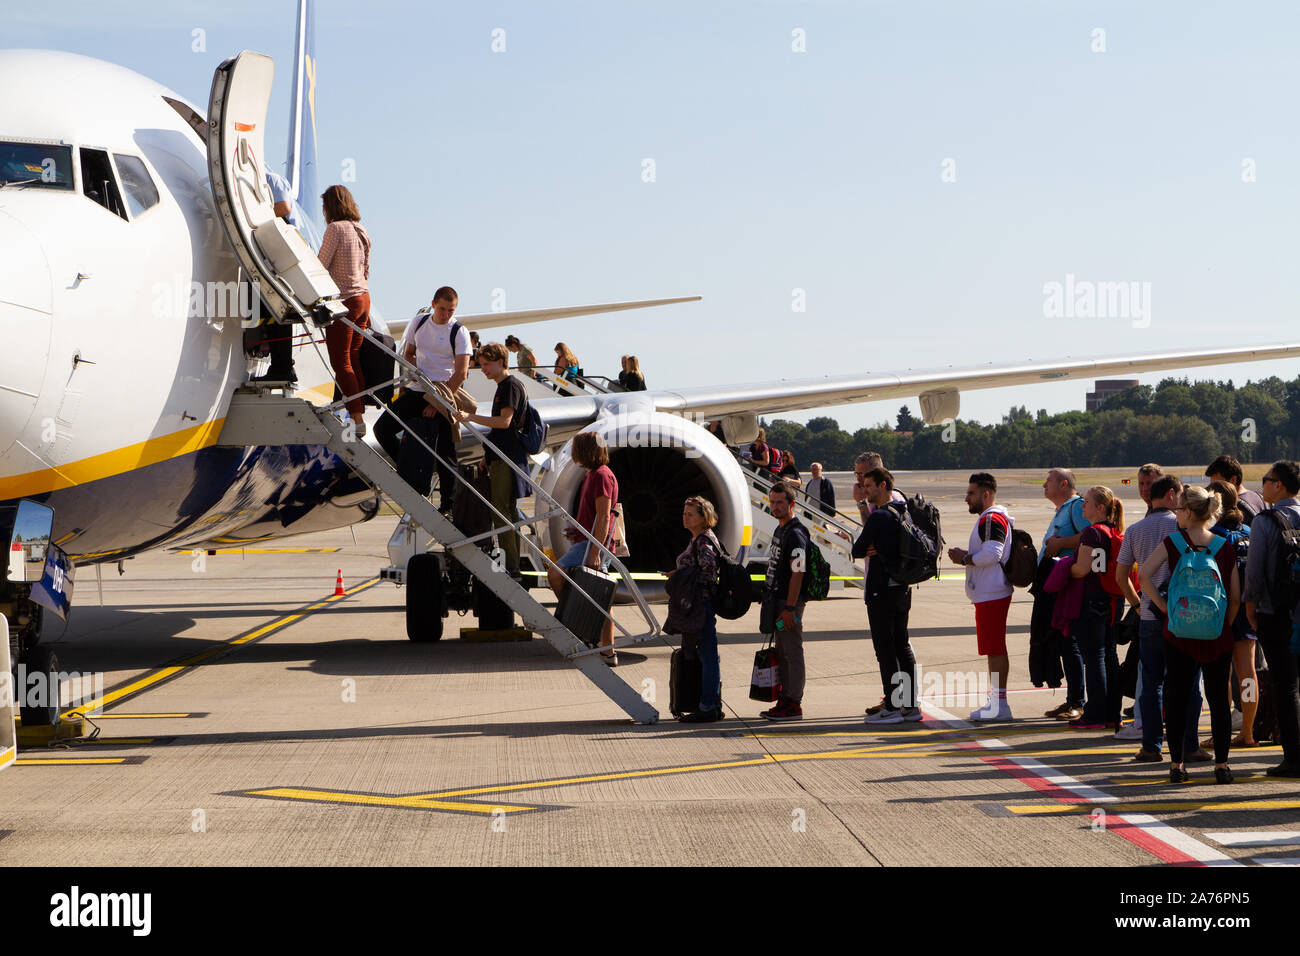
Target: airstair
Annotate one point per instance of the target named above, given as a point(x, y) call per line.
point(833, 533)
point(298, 290)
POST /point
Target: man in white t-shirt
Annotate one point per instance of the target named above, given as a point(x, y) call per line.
point(440, 347)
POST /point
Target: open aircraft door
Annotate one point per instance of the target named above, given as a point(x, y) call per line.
point(290, 277)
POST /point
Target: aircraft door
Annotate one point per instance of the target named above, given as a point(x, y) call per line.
point(290, 277)
point(26, 318)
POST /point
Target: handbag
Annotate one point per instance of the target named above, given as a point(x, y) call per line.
point(767, 615)
point(619, 543)
point(765, 683)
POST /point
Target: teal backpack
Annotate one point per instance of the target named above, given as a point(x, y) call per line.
point(1198, 597)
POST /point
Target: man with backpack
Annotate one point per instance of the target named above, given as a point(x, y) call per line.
point(1228, 469)
point(440, 347)
point(784, 597)
point(988, 589)
point(888, 601)
point(1270, 600)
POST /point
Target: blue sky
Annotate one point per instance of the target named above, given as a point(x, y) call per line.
point(778, 170)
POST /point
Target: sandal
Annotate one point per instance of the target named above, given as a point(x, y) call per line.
point(611, 658)
point(1240, 741)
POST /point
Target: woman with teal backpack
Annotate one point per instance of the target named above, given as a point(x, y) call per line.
point(1201, 602)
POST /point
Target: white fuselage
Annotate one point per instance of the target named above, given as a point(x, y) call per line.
point(122, 346)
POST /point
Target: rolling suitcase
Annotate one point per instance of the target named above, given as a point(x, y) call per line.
point(577, 614)
point(685, 680)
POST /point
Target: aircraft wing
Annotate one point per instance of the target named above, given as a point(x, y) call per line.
point(937, 389)
point(491, 320)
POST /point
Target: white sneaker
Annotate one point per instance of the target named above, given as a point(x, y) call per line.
point(1236, 721)
point(360, 424)
point(885, 716)
point(912, 714)
point(1130, 731)
point(993, 709)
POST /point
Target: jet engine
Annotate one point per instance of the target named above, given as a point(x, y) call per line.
point(659, 460)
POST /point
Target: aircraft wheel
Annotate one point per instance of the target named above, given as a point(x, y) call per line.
point(40, 700)
point(424, 599)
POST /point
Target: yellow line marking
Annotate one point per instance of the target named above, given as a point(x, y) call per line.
point(163, 674)
point(135, 716)
point(37, 761)
point(7, 756)
point(1165, 806)
point(410, 802)
point(1163, 780)
point(186, 553)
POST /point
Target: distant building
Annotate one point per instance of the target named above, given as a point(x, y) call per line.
point(1105, 388)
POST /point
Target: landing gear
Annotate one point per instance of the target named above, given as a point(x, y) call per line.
point(425, 600)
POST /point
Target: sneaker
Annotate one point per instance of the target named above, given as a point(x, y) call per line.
point(1148, 756)
point(877, 708)
point(1072, 713)
point(1236, 721)
point(701, 717)
point(912, 714)
point(993, 709)
point(1059, 710)
point(888, 715)
point(784, 710)
point(1201, 756)
point(1129, 732)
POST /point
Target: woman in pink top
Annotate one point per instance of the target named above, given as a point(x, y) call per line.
point(345, 254)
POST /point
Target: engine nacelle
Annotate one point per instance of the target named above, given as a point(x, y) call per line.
point(659, 460)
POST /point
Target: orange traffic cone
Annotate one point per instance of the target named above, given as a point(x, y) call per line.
point(338, 585)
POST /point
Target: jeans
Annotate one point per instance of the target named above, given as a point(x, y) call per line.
point(1275, 639)
point(1151, 650)
point(1072, 665)
point(887, 615)
point(414, 464)
point(1095, 634)
point(705, 646)
point(1183, 674)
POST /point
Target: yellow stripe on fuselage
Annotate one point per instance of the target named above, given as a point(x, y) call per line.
point(124, 460)
point(110, 463)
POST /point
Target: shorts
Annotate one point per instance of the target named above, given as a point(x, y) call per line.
point(576, 556)
point(991, 626)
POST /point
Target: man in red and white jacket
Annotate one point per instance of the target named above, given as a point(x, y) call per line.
point(988, 588)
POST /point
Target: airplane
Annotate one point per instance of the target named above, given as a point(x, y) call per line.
point(122, 304)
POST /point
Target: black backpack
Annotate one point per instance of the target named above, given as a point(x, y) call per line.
point(1284, 589)
point(734, 593)
point(919, 541)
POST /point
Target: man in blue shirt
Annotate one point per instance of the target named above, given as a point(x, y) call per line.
point(1047, 645)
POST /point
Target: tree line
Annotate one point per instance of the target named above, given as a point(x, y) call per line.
point(1176, 421)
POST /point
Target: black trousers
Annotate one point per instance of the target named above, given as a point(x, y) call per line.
point(1180, 683)
point(414, 464)
point(1275, 638)
point(887, 614)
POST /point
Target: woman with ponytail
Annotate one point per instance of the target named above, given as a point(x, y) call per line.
point(1184, 656)
point(1094, 630)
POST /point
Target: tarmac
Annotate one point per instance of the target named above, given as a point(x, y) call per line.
point(250, 718)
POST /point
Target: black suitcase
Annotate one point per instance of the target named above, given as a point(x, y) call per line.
point(685, 681)
point(576, 613)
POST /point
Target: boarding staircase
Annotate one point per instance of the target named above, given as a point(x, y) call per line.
point(263, 414)
point(833, 533)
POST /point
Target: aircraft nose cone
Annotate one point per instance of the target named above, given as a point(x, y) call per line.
point(26, 316)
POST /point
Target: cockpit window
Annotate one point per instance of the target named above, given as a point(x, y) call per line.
point(98, 181)
point(141, 193)
point(36, 164)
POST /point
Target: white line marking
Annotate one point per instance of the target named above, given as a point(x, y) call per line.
point(1254, 837)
